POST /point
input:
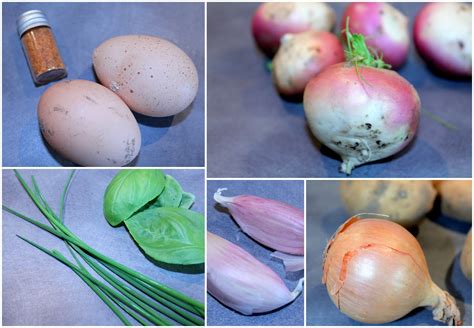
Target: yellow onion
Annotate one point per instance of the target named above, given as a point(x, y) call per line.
point(243, 283)
point(375, 272)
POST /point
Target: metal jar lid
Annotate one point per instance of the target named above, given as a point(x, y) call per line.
point(30, 19)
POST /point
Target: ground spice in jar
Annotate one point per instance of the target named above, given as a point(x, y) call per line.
point(40, 47)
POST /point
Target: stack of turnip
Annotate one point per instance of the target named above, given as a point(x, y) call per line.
point(355, 104)
point(443, 37)
point(297, 34)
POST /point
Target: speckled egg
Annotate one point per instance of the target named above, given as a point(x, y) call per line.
point(152, 75)
point(88, 124)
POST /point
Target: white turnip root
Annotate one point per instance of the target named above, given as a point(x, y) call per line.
point(360, 110)
point(273, 20)
point(301, 57)
point(443, 37)
point(385, 29)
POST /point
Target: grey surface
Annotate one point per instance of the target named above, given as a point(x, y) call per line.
point(253, 132)
point(79, 28)
point(38, 290)
point(222, 224)
point(441, 245)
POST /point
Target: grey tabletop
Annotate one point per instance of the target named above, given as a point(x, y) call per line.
point(253, 132)
point(79, 28)
point(221, 223)
point(38, 290)
point(442, 246)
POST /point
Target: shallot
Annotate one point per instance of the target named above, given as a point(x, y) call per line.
point(272, 223)
point(385, 29)
point(376, 272)
point(274, 19)
point(443, 36)
point(240, 281)
point(361, 110)
point(301, 57)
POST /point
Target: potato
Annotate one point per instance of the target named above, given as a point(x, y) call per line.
point(404, 201)
point(456, 198)
point(466, 256)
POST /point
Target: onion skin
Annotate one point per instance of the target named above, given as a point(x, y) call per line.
point(272, 223)
point(385, 28)
point(362, 117)
point(406, 202)
point(301, 57)
point(466, 256)
point(375, 272)
point(241, 282)
point(443, 37)
point(272, 20)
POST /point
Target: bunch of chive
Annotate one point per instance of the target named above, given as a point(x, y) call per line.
point(128, 293)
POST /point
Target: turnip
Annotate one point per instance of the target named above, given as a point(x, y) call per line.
point(443, 37)
point(385, 29)
point(361, 110)
point(301, 57)
point(272, 20)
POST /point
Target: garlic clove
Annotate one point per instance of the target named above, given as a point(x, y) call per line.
point(274, 224)
point(240, 281)
point(292, 263)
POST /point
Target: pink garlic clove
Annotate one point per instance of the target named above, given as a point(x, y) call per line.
point(292, 263)
point(274, 224)
point(240, 281)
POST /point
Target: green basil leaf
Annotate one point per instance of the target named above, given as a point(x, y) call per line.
point(129, 191)
point(169, 234)
point(171, 195)
point(187, 200)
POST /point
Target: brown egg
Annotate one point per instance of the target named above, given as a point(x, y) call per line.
point(152, 75)
point(88, 124)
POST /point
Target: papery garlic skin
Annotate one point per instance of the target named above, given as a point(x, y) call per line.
point(375, 272)
point(241, 282)
point(272, 223)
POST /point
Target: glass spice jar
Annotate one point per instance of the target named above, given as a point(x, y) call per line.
point(40, 47)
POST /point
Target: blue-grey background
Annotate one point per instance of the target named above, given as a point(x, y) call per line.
point(37, 289)
point(441, 243)
point(222, 224)
point(79, 28)
point(253, 132)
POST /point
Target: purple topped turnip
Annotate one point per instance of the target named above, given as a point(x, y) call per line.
point(361, 110)
point(273, 20)
point(384, 27)
point(301, 57)
point(443, 37)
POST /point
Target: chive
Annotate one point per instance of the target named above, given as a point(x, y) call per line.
point(63, 228)
point(164, 301)
point(87, 281)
